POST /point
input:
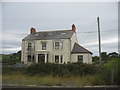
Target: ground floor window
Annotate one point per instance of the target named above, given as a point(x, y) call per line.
point(30, 58)
point(56, 58)
point(80, 58)
point(33, 58)
point(61, 58)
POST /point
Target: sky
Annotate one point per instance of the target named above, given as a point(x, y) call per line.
point(19, 17)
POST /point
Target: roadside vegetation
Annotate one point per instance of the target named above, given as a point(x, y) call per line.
point(11, 59)
point(72, 74)
point(22, 79)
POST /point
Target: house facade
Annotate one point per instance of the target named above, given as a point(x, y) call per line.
point(54, 47)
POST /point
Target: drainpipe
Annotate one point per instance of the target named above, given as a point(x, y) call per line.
point(45, 58)
point(70, 50)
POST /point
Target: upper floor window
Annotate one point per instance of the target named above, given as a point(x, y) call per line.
point(43, 45)
point(80, 58)
point(29, 46)
point(56, 45)
point(61, 45)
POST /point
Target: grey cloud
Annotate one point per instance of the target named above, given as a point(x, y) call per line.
point(18, 18)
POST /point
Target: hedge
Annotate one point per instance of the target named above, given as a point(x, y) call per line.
point(42, 69)
point(75, 69)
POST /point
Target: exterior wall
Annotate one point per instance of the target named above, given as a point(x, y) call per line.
point(73, 39)
point(87, 57)
point(24, 50)
point(65, 52)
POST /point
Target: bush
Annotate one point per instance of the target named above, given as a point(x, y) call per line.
point(13, 70)
point(109, 73)
point(66, 70)
point(75, 69)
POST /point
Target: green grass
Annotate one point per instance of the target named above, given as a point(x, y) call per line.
point(21, 79)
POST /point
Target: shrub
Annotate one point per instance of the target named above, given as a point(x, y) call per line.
point(13, 70)
point(113, 69)
point(110, 72)
point(66, 70)
point(75, 69)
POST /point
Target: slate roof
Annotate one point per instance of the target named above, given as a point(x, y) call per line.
point(79, 49)
point(48, 35)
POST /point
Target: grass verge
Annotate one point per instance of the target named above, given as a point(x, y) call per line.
point(21, 79)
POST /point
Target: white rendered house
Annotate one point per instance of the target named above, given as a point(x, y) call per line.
point(54, 47)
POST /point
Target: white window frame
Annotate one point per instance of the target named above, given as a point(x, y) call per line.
point(30, 58)
point(61, 58)
point(45, 45)
point(60, 45)
point(58, 58)
point(30, 47)
point(81, 56)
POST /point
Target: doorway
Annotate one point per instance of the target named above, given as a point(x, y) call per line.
point(41, 58)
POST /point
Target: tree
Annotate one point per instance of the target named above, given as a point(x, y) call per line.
point(113, 55)
point(95, 60)
point(104, 56)
point(11, 58)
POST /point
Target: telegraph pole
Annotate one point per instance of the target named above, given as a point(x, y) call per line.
point(99, 39)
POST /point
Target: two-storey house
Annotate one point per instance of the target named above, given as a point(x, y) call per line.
point(54, 47)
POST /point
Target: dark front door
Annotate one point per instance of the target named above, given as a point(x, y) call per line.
point(41, 58)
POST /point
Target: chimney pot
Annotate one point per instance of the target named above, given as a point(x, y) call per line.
point(73, 28)
point(32, 30)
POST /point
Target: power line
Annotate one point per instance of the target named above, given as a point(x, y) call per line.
point(96, 31)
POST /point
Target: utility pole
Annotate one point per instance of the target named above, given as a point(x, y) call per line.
point(99, 39)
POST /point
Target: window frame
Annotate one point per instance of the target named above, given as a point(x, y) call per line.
point(57, 56)
point(61, 45)
point(57, 47)
point(29, 58)
point(80, 58)
point(61, 58)
point(29, 46)
point(33, 58)
point(45, 47)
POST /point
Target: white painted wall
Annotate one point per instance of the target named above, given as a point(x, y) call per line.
point(87, 58)
point(73, 40)
point(65, 52)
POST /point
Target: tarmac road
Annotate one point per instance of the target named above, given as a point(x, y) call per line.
point(34, 87)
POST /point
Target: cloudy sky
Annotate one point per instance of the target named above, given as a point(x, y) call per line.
point(19, 17)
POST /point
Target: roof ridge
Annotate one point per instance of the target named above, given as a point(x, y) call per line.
point(54, 31)
point(58, 34)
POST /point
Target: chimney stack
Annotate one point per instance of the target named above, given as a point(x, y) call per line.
point(32, 30)
point(73, 28)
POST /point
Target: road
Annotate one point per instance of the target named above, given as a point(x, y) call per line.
point(33, 87)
